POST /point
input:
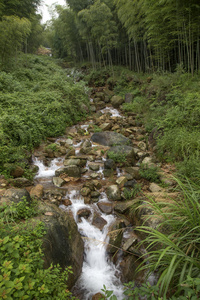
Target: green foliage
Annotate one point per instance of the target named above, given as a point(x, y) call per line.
point(132, 193)
point(149, 173)
point(53, 147)
point(13, 31)
point(96, 128)
point(118, 157)
point(21, 271)
point(108, 294)
point(38, 100)
point(97, 77)
point(173, 248)
point(21, 210)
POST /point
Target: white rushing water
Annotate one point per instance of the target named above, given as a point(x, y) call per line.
point(97, 269)
point(114, 112)
point(45, 171)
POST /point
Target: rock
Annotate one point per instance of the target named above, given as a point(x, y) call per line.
point(116, 101)
point(17, 172)
point(123, 207)
point(147, 161)
point(54, 194)
point(121, 181)
point(134, 171)
point(37, 191)
point(109, 138)
point(128, 98)
point(105, 207)
point(108, 173)
point(85, 191)
point(109, 164)
point(57, 181)
point(72, 162)
point(154, 188)
point(128, 267)
point(129, 243)
point(93, 108)
point(97, 184)
point(66, 142)
point(86, 147)
point(93, 166)
point(98, 221)
point(98, 296)
point(94, 175)
point(70, 152)
point(105, 126)
point(84, 213)
point(20, 182)
point(126, 152)
point(71, 171)
point(130, 183)
point(142, 146)
point(67, 202)
point(16, 196)
point(62, 243)
point(95, 194)
point(113, 193)
point(115, 234)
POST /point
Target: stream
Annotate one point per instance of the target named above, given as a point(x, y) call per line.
point(98, 270)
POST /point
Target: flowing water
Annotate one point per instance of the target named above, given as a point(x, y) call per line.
point(97, 269)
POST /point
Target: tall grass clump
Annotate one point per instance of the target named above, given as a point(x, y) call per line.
point(174, 246)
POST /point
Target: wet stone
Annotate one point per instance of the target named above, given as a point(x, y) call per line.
point(67, 202)
point(95, 194)
point(129, 243)
point(72, 161)
point(85, 191)
point(57, 181)
point(93, 166)
point(109, 164)
point(105, 207)
point(99, 222)
point(84, 213)
point(113, 193)
point(94, 175)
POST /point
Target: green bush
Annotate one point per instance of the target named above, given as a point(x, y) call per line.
point(21, 271)
point(117, 157)
point(149, 173)
point(38, 100)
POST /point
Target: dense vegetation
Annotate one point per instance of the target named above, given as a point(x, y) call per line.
point(21, 271)
point(38, 100)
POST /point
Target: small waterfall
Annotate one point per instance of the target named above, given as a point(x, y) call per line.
point(45, 171)
point(97, 270)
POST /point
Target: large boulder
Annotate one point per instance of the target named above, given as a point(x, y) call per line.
point(62, 243)
point(110, 138)
point(113, 192)
point(125, 152)
point(116, 101)
point(71, 171)
point(16, 196)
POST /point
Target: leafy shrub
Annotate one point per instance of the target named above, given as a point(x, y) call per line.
point(38, 100)
point(21, 271)
point(149, 173)
point(117, 157)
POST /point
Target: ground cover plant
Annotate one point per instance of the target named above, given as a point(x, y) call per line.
point(38, 100)
point(21, 272)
